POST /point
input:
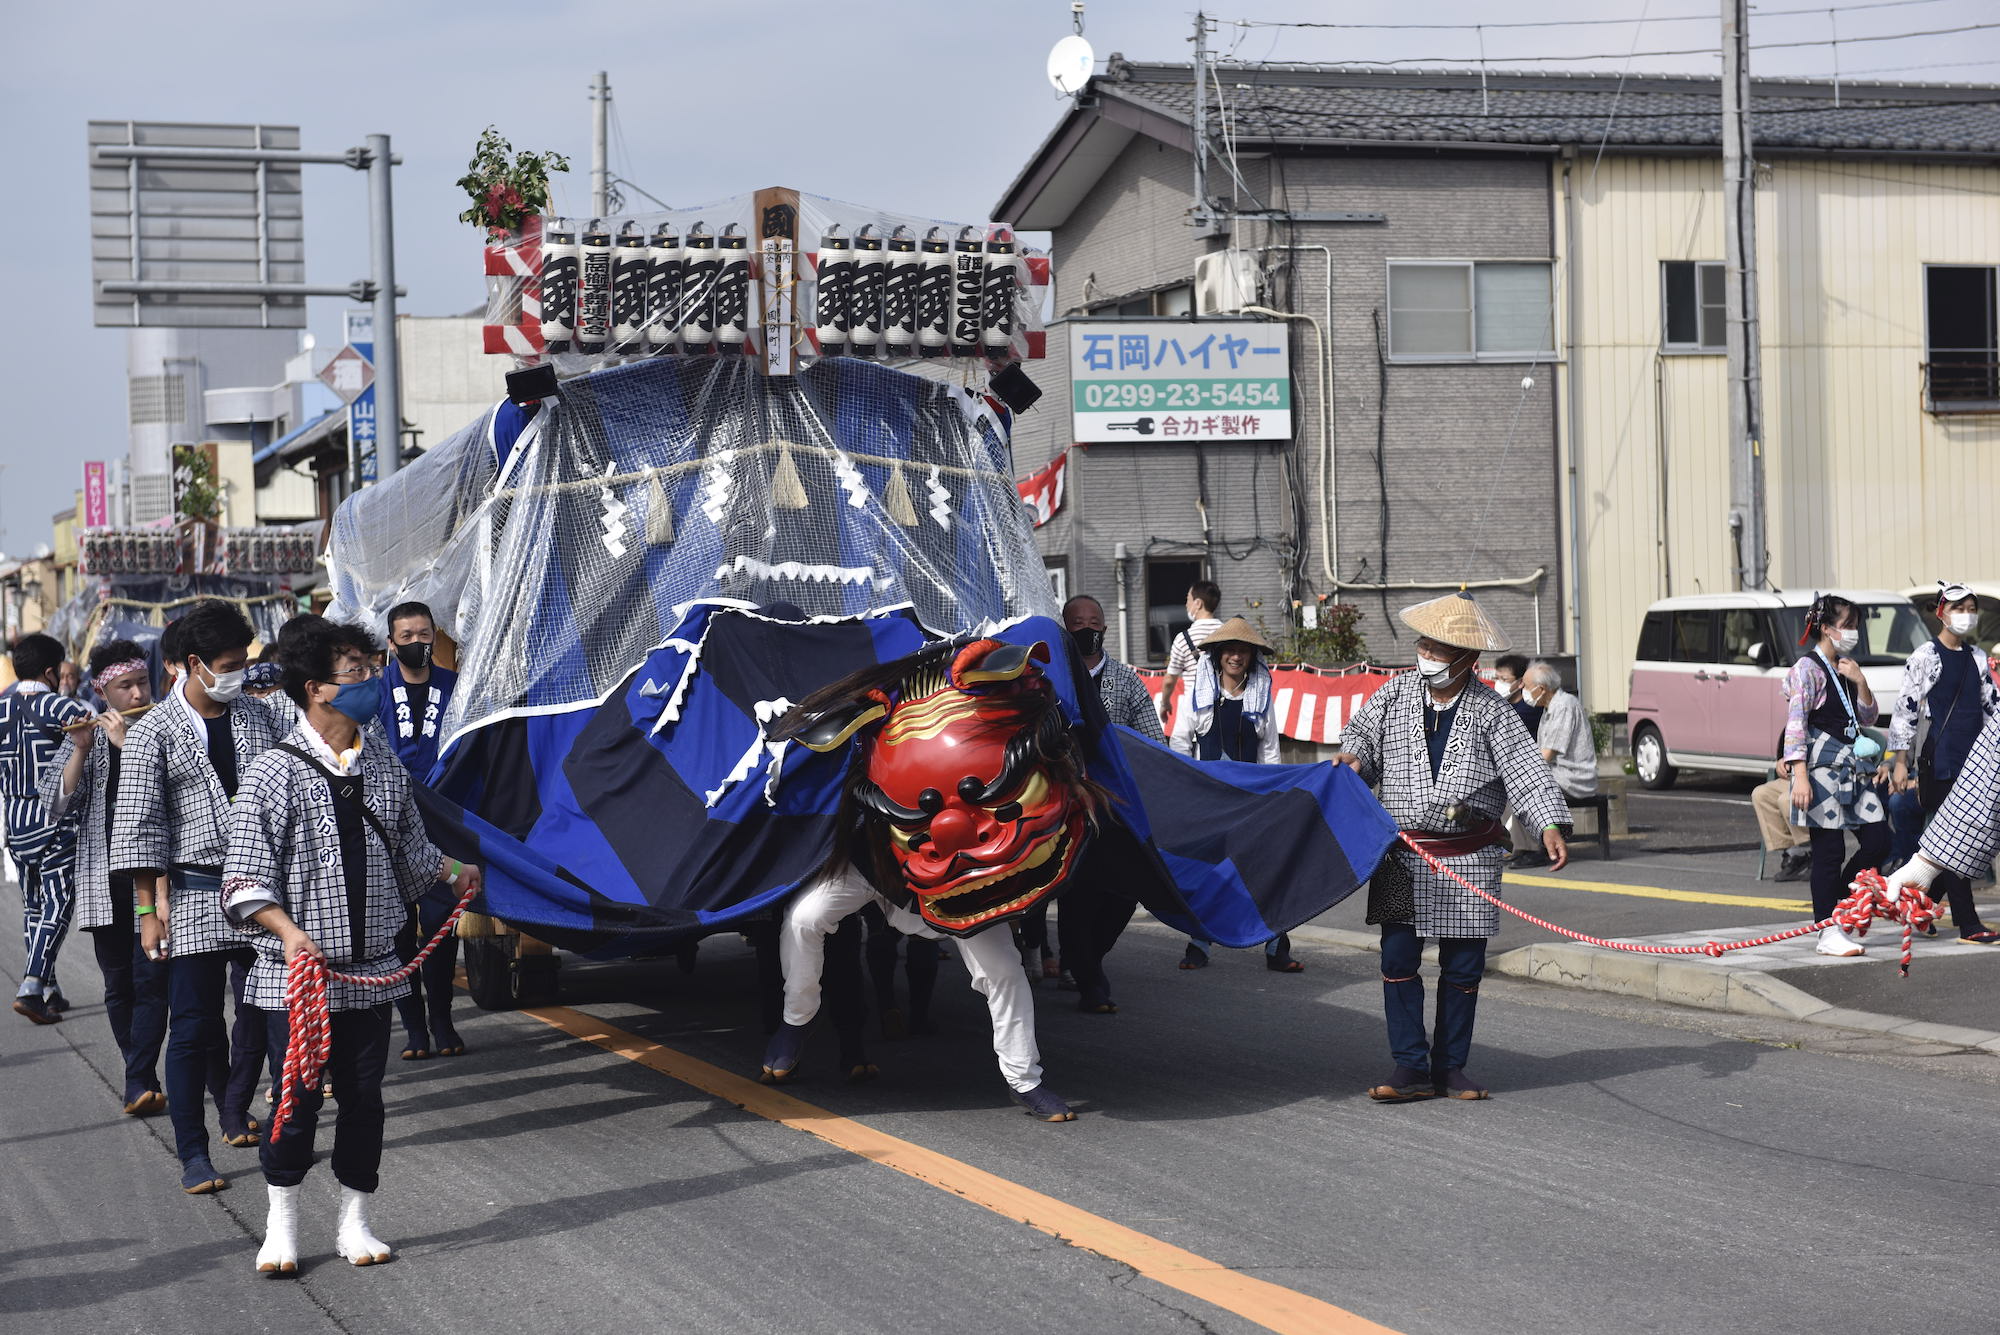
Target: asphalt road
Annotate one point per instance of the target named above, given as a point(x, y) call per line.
point(1640, 1168)
point(1690, 865)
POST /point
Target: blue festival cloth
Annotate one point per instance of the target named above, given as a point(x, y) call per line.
point(662, 813)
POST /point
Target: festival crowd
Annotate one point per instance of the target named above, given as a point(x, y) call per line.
point(208, 820)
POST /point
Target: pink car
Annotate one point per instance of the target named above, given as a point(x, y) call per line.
point(1707, 689)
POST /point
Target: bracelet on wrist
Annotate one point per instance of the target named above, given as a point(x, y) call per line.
point(141, 910)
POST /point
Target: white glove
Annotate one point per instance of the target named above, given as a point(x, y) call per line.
point(1918, 872)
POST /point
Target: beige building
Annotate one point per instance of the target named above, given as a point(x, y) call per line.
point(448, 379)
point(1882, 437)
point(1519, 280)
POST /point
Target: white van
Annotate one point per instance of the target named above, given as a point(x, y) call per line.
point(1707, 689)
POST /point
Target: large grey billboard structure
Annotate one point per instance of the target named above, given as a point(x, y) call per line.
point(202, 226)
point(191, 220)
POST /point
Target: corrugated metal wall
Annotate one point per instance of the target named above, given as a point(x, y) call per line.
point(1865, 489)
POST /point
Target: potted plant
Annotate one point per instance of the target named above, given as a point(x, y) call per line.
point(507, 189)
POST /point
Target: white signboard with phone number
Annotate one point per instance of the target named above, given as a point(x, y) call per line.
point(1150, 381)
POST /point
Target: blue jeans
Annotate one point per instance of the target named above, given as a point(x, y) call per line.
point(197, 1045)
point(1462, 962)
point(135, 997)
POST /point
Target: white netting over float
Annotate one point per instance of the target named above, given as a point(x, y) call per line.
point(848, 487)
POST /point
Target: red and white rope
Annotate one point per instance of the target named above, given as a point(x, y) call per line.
point(1870, 899)
point(310, 1023)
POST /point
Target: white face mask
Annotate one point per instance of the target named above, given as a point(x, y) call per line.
point(1505, 687)
point(222, 687)
point(1845, 640)
point(1433, 669)
point(1962, 623)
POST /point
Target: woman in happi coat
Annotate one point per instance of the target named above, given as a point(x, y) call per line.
point(1447, 756)
point(1833, 766)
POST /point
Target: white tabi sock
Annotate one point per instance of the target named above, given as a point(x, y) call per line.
point(356, 1242)
point(280, 1253)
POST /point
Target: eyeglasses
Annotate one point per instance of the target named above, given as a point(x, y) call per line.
point(349, 674)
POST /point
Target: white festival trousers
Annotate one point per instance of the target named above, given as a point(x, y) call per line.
point(989, 957)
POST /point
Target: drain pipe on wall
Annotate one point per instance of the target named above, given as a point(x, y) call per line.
point(1573, 309)
point(1121, 560)
point(1326, 468)
point(1426, 586)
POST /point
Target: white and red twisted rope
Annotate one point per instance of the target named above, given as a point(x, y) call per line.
point(310, 1023)
point(1871, 899)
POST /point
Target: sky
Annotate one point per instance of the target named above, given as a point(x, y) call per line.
point(920, 107)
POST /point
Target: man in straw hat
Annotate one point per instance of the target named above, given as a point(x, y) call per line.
point(1447, 756)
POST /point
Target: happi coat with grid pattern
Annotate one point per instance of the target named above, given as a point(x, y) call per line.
point(172, 810)
point(284, 841)
point(1489, 762)
point(1964, 835)
point(84, 811)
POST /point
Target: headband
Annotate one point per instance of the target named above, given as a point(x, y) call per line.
point(113, 671)
point(264, 674)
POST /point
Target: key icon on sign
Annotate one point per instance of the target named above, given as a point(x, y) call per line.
point(1144, 426)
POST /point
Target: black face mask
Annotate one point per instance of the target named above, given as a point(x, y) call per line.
point(1089, 643)
point(415, 654)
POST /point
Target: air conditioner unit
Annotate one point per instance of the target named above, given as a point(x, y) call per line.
point(152, 497)
point(1225, 281)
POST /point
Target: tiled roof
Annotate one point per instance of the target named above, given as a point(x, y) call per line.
point(1321, 103)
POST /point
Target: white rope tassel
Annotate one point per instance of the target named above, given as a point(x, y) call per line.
point(659, 513)
point(788, 492)
point(896, 498)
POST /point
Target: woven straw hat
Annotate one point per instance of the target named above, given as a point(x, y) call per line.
point(1457, 620)
point(1235, 631)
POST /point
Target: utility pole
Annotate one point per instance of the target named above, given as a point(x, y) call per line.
point(600, 169)
point(388, 364)
point(1746, 394)
point(1200, 217)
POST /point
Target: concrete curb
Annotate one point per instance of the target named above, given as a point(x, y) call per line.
point(1683, 983)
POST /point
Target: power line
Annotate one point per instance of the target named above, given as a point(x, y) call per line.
point(1884, 37)
point(1568, 23)
point(1682, 51)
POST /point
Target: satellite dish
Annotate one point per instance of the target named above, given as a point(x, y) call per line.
point(1071, 64)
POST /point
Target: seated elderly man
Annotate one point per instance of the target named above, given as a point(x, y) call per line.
point(1566, 742)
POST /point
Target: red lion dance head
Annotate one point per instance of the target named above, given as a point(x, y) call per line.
point(972, 787)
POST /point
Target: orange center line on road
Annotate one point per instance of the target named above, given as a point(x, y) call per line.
point(1269, 1305)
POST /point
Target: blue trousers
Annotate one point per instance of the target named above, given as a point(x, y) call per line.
point(360, 1053)
point(1462, 962)
point(202, 1060)
point(48, 897)
point(135, 997)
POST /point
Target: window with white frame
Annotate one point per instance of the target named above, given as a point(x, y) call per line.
point(1694, 309)
point(1470, 310)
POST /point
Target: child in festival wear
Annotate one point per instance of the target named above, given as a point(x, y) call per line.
point(81, 787)
point(326, 854)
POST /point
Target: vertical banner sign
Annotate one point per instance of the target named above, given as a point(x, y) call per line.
point(1180, 380)
point(96, 496)
point(361, 411)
